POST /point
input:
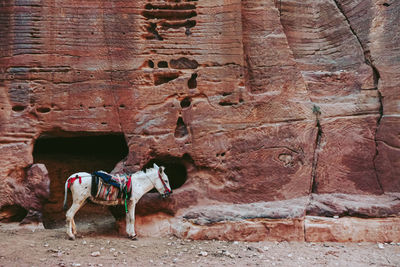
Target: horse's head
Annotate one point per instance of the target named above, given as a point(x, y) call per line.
point(162, 182)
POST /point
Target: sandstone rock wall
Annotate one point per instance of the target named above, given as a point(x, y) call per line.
point(262, 100)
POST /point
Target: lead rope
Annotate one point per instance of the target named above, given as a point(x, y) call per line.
point(126, 193)
point(126, 200)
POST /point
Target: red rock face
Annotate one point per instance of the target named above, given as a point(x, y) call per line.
point(259, 100)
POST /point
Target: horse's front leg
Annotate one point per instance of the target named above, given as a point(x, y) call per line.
point(130, 220)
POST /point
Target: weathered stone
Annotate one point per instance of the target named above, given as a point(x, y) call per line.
point(27, 197)
point(346, 157)
point(347, 229)
point(294, 208)
point(258, 100)
point(244, 230)
point(364, 206)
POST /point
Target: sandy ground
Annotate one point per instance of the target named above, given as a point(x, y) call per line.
point(99, 245)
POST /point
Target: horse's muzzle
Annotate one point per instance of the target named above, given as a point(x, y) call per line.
point(167, 194)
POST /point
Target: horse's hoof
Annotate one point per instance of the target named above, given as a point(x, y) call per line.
point(71, 238)
point(134, 238)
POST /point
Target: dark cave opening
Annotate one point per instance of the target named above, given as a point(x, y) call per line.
point(67, 153)
point(12, 213)
point(175, 168)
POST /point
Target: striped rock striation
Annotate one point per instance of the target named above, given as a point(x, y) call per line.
point(249, 101)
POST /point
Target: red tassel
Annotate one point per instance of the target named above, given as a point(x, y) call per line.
point(72, 180)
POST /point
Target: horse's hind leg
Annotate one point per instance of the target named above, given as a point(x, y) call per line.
point(71, 227)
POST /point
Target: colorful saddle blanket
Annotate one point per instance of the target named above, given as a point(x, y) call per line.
point(110, 187)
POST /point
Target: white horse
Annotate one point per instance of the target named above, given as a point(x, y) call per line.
point(142, 182)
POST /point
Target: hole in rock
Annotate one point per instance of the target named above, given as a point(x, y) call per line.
point(150, 63)
point(175, 168)
point(12, 213)
point(185, 103)
point(180, 130)
point(226, 103)
point(169, 14)
point(153, 32)
point(386, 4)
point(192, 83)
point(65, 153)
point(175, 7)
point(183, 63)
point(18, 108)
point(43, 110)
point(160, 78)
point(162, 64)
point(178, 24)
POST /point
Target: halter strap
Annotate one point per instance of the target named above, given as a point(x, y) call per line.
point(167, 190)
point(162, 181)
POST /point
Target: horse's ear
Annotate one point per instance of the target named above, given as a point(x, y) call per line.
point(155, 166)
point(162, 168)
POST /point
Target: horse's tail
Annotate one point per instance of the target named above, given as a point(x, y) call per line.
point(66, 194)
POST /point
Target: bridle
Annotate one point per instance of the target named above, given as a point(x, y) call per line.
point(167, 191)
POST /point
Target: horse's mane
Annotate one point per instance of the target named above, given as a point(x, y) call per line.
point(140, 173)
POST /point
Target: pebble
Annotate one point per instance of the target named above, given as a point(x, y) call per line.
point(58, 254)
point(46, 245)
point(265, 248)
point(112, 249)
point(260, 250)
point(95, 254)
point(84, 242)
point(235, 242)
point(203, 253)
point(230, 255)
point(381, 246)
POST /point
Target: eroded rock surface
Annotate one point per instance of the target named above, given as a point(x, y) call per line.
point(24, 200)
point(259, 100)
